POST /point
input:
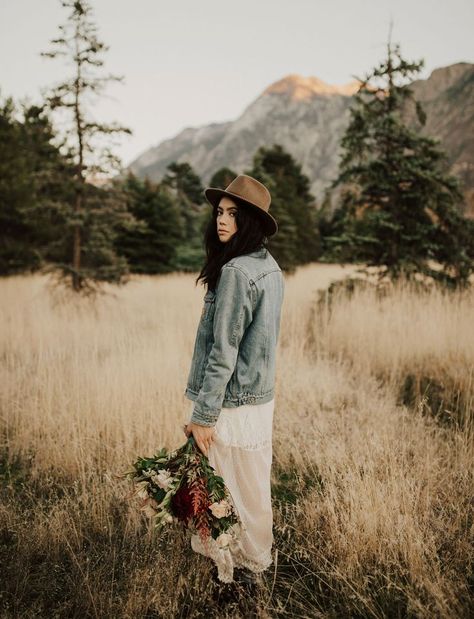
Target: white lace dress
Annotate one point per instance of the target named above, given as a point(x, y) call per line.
point(241, 453)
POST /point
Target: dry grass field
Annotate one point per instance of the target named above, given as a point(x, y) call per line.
point(373, 470)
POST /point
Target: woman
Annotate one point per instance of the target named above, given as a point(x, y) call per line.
point(231, 381)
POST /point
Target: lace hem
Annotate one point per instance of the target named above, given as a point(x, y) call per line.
point(231, 557)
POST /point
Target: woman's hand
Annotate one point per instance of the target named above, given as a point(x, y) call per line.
point(203, 435)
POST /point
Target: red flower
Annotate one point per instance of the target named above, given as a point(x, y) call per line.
point(182, 504)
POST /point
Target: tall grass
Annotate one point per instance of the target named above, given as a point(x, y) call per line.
point(373, 491)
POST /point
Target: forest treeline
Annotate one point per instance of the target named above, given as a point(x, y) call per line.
point(133, 224)
point(396, 206)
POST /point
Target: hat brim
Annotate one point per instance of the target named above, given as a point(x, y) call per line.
point(214, 194)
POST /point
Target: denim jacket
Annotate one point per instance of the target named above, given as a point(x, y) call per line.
point(234, 354)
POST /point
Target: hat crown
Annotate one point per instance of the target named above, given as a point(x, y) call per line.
point(247, 190)
point(251, 190)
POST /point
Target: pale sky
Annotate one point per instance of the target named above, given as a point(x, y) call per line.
point(187, 63)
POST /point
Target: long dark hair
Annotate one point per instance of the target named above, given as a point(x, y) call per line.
point(250, 236)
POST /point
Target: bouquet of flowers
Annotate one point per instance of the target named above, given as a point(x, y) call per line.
point(182, 487)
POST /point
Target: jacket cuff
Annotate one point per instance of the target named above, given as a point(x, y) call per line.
point(208, 418)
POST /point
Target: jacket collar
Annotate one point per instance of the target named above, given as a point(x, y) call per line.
point(261, 252)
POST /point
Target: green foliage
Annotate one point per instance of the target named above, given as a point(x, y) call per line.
point(222, 178)
point(35, 189)
point(188, 257)
point(188, 192)
point(192, 487)
point(297, 240)
point(91, 225)
point(100, 224)
point(399, 209)
point(292, 484)
point(38, 195)
point(151, 246)
point(186, 183)
point(79, 43)
point(16, 249)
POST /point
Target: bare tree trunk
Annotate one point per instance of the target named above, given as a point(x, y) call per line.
point(76, 258)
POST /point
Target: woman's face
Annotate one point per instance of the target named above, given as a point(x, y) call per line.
point(226, 219)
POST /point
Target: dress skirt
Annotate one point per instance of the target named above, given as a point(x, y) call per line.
point(241, 453)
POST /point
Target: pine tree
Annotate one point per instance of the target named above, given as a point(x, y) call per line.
point(90, 225)
point(293, 206)
point(16, 249)
point(186, 186)
point(152, 247)
point(187, 189)
point(399, 209)
point(223, 177)
point(34, 187)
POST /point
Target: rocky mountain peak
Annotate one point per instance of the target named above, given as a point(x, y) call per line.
point(308, 118)
point(440, 80)
point(299, 88)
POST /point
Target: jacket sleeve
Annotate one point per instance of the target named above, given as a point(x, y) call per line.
point(232, 315)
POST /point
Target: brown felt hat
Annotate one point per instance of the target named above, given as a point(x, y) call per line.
point(249, 191)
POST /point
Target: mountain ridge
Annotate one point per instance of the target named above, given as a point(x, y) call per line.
point(308, 117)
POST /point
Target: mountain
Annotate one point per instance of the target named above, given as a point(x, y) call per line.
point(308, 117)
point(448, 100)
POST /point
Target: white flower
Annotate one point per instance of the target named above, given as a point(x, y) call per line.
point(162, 479)
point(220, 508)
point(223, 540)
point(142, 489)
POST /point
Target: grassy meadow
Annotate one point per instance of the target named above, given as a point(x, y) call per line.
point(373, 460)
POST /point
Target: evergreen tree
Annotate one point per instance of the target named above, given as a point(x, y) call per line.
point(79, 43)
point(17, 251)
point(151, 247)
point(222, 178)
point(34, 179)
point(293, 206)
point(188, 192)
point(399, 208)
point(182, 178)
